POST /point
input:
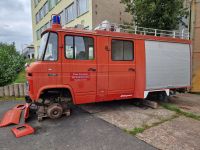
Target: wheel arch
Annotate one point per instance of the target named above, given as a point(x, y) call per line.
point(66, 87)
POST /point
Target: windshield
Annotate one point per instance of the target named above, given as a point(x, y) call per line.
point(42, 46)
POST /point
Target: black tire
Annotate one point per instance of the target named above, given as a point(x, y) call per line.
point(162, 96)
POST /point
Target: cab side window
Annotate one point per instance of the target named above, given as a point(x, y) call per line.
point(122, 50)
point(69, 47)
point(51, 52)
point(79, 48)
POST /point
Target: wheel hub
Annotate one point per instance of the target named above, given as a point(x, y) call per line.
point(55, 111)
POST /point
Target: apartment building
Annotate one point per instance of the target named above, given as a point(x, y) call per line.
point(88, 13)
point(28, 52)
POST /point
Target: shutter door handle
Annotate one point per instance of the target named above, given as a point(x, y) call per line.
point(92, 69)
point(131, 69)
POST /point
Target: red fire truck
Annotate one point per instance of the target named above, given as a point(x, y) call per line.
point(82, 66)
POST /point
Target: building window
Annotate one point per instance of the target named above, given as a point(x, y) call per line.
point(38, 34)
point(36, 2)
point(79, 48)
point(46, 8)
point(41, 12)
point(69, 13)
point(62, 15)
point(52, 3)
point(48, 25)
point(82, 6)
point(37, 18)
point(42, 29)
point(122, 50)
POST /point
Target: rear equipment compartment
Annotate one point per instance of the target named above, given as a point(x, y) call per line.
point(168, 65)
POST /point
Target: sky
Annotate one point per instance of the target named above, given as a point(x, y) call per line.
point(16, 22)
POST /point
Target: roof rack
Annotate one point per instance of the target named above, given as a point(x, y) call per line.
point(105, 25)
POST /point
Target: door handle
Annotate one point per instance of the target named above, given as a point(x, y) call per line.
point(52, 75)
point(131, 69)
point(91, 69)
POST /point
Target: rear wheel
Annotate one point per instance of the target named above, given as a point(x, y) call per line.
point(162, 96)
point(158, 96)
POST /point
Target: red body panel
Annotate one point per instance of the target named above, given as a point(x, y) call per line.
point(112, 80)
point(20, 107)
point(140, 80)
point(22, 130)
point(26, 111)
point(11, 117)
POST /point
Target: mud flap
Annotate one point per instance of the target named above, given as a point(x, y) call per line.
point(22, 130)
point(11, 117)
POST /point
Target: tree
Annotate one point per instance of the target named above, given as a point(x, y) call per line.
point(159, 14)
point(11, 63)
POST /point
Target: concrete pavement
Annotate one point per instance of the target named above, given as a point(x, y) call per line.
point(178, 134)
point(163, 128)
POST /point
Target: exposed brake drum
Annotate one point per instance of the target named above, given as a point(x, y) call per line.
point(55, 111)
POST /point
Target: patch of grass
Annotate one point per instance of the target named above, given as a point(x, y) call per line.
point(29, 61)
point(196, 93)
point(12, 98)
point(21, 77)
point(180, 112)
point(20, 98)
point(163, 121)
point(135, 131)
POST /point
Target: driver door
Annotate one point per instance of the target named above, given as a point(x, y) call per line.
point(51, 75)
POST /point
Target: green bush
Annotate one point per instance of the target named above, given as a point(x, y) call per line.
point(11, 63)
